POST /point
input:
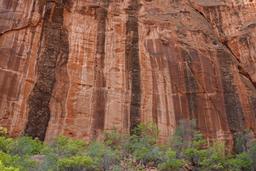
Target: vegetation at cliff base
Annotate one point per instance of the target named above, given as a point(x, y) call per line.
point(186, 150)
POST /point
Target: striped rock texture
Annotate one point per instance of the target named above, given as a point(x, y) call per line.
point(79, 67)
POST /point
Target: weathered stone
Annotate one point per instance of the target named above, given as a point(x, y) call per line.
point(81, 67)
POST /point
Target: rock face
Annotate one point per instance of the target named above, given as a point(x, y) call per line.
point(80, 67)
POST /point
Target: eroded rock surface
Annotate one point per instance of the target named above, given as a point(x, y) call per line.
point(80, 67)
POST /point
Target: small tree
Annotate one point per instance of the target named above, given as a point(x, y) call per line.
point(171, 162)
point(213, 158)
point(104, 156)
point(143, 145)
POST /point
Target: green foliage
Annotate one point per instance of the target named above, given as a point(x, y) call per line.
point(213, 158)
point(147, 131)
point(144, 152)
point(23, 163)
point(252, 154)
point(8, 160)
point(183, 136)
point(171, 162)
point(142, 145)
point(103, 156)
point(196, 153)
point(240, 142)
point(5, 168)
point(76, 163)
point(24, 146)
point(5, 144)
point(49, 163)
point(137, 152)
point(65, 147)
point(116, 168)
point(115, 140)
point(18, 152)
point(241, 161)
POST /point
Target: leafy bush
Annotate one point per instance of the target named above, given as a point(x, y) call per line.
point(23, 146)
point(241, 161)
point(115, 140)
point(140, 151)
point(146, 131)
point(171, 162)
point(196, 152)
point(144, 152)
point(65, 147)
point(252, 154)
point(8, 160)
point(104, 156)
point(142, 145)
point(183, 136)
point(23, 163)
point(76, 163)
point(214, 157)
point(5, 144)
point(49, 162)
point(5, 168)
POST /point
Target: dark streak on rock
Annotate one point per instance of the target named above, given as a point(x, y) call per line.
point(155, 98)
point(252, 100)
point(133, 63)
point(53, 52)
point(191, 83)
point(99, 94)
point(233, 107)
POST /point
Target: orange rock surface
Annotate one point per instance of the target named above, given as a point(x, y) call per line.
point(79, 67)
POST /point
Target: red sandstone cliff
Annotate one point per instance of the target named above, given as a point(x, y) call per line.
point(77, 67)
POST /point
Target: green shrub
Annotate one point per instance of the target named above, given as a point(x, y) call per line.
point(116, 168)
point(196, 152)
point(171, 162)
point(188, 150)
point(115, 140)
point(49, 163)
point(65, 147)
point(214, 157)
point(104, 156)
point(146, 131)
point(142, 146)
point(23, 163)
point(8, 160)
point(76, 163)
point(26, 146)
point(240, 141)
point(144, 152)
point(5, 144)
point(5, 168)
point(183, 136)
point(252, 154)
point(241, 161)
